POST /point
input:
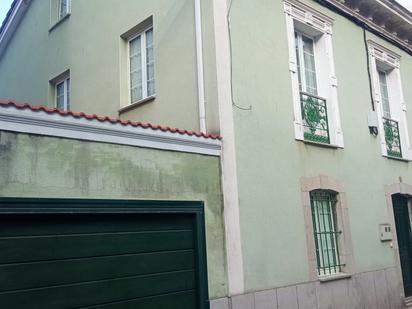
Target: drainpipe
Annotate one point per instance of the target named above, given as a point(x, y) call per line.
point(200, 73)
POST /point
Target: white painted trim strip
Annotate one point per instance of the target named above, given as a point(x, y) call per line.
point(41, 123)
point(229, 168)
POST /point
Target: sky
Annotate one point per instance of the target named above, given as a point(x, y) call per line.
point(405, 3)
point(5, 5)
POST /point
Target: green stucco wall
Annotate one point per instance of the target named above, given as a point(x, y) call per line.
point(270, 161)
point(35, 166)
point(89, 43)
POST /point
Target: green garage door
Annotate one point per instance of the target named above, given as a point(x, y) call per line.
point(100, 260)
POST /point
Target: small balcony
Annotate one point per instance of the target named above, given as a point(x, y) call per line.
point(315, 118)
point(392, 137)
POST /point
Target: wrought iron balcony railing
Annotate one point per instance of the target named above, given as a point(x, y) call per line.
point(315, 118)
point(392, 137)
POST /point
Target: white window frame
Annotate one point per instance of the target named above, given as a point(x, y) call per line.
point(383, 59)
point(302, 18)
point(66, 88)
point(142, 35)
point(60, 13)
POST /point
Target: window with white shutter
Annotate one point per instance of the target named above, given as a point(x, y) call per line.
point(389, 102)
point(312, 69)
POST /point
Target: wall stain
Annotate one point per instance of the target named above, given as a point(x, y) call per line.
point(33, 153)
point(8, 143)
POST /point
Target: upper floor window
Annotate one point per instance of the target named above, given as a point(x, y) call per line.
point(59, 12)
point(62, 91)
point(64, 8)
point(311, 64)
point(389, 102)
point(141, 68)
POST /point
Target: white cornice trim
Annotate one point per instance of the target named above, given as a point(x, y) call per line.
point(385, 33)
point(307, 15)
point(41, 123)
point(389, 6)
point(12, 23)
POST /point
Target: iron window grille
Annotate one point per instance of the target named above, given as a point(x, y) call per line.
point(315, 118)
point(392, 137)
point(326, 233)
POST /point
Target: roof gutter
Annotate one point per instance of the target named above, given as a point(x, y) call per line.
point(14, 16)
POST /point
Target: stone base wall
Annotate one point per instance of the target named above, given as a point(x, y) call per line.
point(371, 290)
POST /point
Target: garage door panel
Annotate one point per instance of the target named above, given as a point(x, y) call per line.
point(98, 292)
point(181, 300)
point(102, 260)
point(51, 224)
point(41, 274)
point(52, 247)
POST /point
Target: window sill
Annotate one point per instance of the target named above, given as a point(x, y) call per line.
point(332, 146)
point(61, 20)
point(334, 277)
point(397, 159)
point(136, 104)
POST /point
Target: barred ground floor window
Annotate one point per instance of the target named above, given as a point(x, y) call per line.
point(326, 214)
point(326, 232)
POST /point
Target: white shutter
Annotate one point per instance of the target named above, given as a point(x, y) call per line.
point(336, 132)
point(400, 112)
point(294, 77)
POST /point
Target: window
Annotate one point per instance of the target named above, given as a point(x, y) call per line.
point(305, 56)
point(314, 84)
point(326, 214)
point(389, 102)
point(141, 67)
point(326, 233)
point(314, 109)
point(64, 8)
point(384, 94)
point(63, 94)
